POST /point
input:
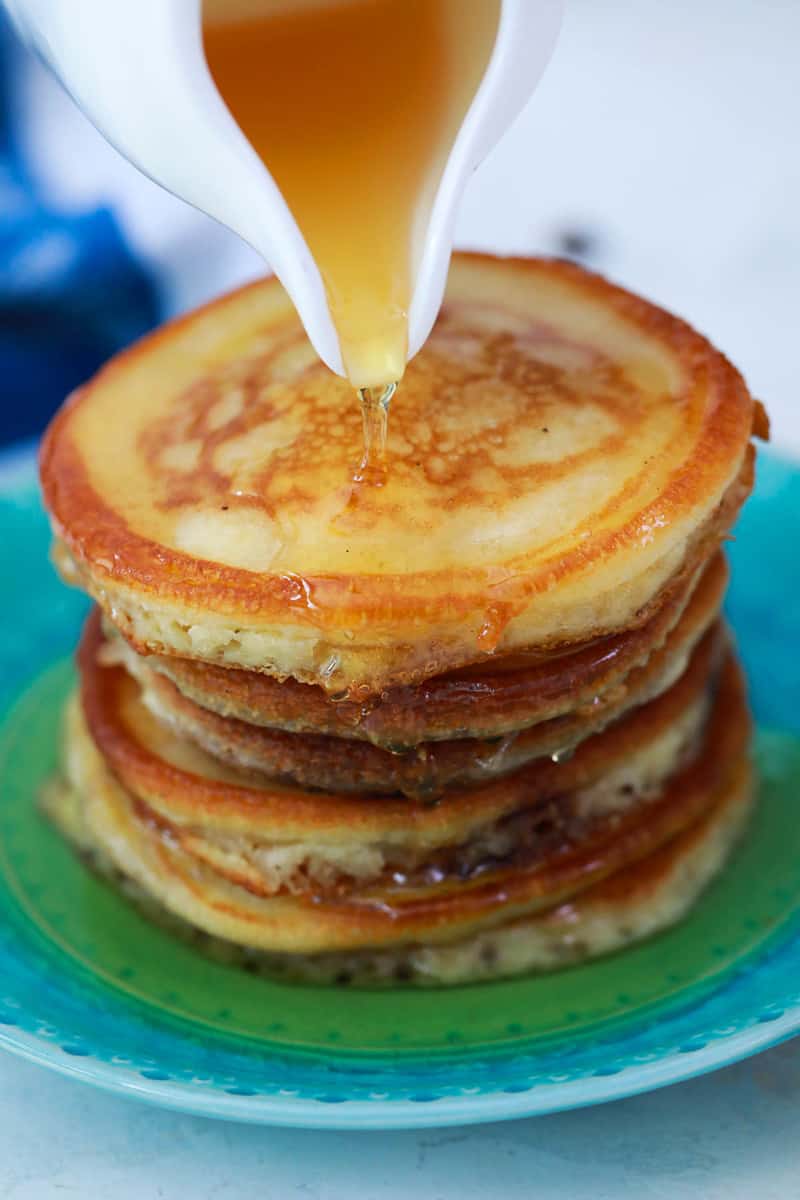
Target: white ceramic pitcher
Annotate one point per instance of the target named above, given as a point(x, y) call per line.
point(138, 70)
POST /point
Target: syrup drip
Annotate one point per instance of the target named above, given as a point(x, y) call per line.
point(375, 419)
point(496, 619)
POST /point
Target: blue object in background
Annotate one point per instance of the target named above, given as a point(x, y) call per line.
point(71, 293)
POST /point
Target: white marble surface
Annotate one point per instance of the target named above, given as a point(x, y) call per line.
point(729, 1136)
point(667, 130)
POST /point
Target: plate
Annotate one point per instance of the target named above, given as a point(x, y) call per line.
point(88, 987)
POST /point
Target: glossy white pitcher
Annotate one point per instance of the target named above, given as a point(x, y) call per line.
point(138, 70)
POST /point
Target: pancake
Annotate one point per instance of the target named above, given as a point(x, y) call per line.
point(475, 714)
point(683, 833)
point(561, 456)
point(189, 790)
point(634, 904)
point(320, 761)
point(497, 697)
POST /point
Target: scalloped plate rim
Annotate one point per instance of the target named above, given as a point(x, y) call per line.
point(383, 1113)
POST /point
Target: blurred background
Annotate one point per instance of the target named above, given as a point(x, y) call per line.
point(661, 149)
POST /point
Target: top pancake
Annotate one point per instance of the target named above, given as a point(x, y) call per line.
point(557, 453)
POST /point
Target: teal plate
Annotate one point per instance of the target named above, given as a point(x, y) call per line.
point(90, 988)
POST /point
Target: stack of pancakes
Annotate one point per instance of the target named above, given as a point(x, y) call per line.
point(473, 715)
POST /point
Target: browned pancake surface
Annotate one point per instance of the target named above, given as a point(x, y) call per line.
point(559, 451)
point(393, 912)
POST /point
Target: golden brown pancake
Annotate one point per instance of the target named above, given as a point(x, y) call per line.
point(474, 714)
point(560, 453)
point(499, 696)
point(321, 761)
point(633, 904)
point(187, 788)
point(394, 913)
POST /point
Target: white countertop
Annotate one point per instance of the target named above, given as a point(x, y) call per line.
point(727, 1136)
point(667, 133)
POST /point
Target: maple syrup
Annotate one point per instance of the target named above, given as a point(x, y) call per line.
point(353, 106)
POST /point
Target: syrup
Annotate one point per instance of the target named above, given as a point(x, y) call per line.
point(375, 418)
point(353, 106)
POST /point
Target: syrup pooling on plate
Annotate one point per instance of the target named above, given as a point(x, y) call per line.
point(354, 105)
